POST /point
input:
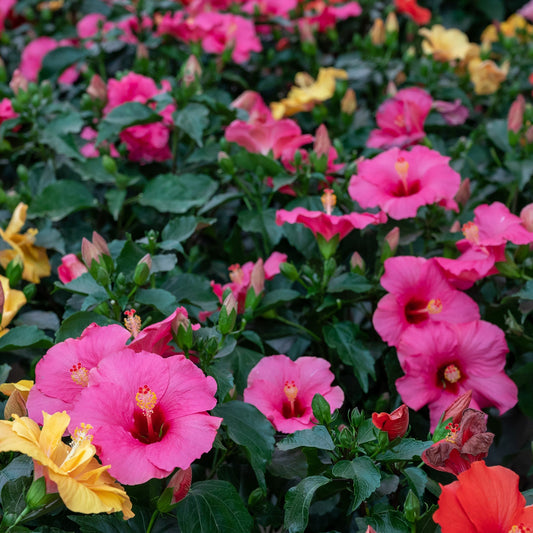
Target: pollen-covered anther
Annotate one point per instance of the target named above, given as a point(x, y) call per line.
point(452, 374)
point(520, 528)
point(402, 168)
point(81, 433)
point(132, 322)
point(235, 273)
point(146, 399)
point(434, 306)
point(79, 374)
point(471, 232)
point(399, 121)
point(453, 429)
point(329, 200)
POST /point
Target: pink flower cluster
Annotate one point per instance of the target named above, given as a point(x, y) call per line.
point(147, 404)
point(443, 347)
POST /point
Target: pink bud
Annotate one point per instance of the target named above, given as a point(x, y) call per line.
point(456, 409)
point(463, 194)
point(97, 89)
point(370, 529)
point(180, 483)
point(89, 252)
point(527, 217)
point(306, 31)
point(192, 70)
point(70, 268)
point(391, 89)
point(322, 143)
point(100, 244)
point(393, 238)
point(357, 262)
point(230, 303)
point(257, 277)
point(181, 319)
point(456, 226)
point(18, 82)
point(142, 51)
point(515, 118)
point(147, 259)
point(529, 135)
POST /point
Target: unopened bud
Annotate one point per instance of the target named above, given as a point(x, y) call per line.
point(15, 405)
point(142, 51)
point(228, 314)
point(349, 102)
point(322, 144)
point(257, 277)
point(357, 263)
point(392, 239)
point(455, 227)
point(191, 71)
point(377, 32)
point(142, 270)
point(463, 194)
point(412, 507)
point(391, 89)
point(101, 244)
point(18, 82)
point(457, 407)
point(89, 252)
point(306, 31)
point(180, 483)
point(391, 23)
point(515, 118)
point(97, 89)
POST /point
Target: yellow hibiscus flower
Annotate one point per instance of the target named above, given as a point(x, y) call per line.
point(308, 91)
point(515, 26)
point(34, 258)
point(82, 482)
point(443, 44)
point(486, 75)
point(13, 301)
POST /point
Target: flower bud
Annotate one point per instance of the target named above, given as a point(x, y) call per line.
point(142, 270)
point(228, 314)
point(515, 118)
point(349, 102)
point(70, 268)
point(306, 31)
point(257, 277)
point(289, 271)
point(391, 89)
point(100, 244)
point(357, 263)
point(456, 409)
point(180, 483)
point(18, 82)
point(377, 32)
point(392, 239)
point(191, 71)
point(463, 194)
point(391, 23)
point(97, 89)
point(526, 216)
point(411, 507)
point(15, 405)
point(394, 424)
point(322, 142)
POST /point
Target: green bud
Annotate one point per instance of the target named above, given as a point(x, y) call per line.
point(321, 409)
point(346, 438)
point(164, 503)
point(411, 508)
point(22, 173)
point(184, 337)
point(100, 274)
point(36, 496)
point(256, 497)
point(228, 314)
point(226, 164)
point(356, 418)
point(29, 291)
point(329, 267)
point(121, 282)
point(36, 100)
point(14, 271)
point(252, 299)
point(109, 164)
point(289, 271)
point(142, 273)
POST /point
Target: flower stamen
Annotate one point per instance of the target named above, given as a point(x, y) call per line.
point(79, 374)
point(434, 306)
point(235, 274)
point(452, 374)
point(453, 429)
point(291, 392)
point(329, 200)
point(132, 321)
point(402, 168)
point(471, 232)
point(146, 400)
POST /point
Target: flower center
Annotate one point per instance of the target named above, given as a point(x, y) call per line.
point(452, 374)
point(132, 322)
point(453, 429)
point(81, 434)
point(417, 311)
point(399, 121)
point(292, 407)
point(471, 232)
point(520, 528)
point(149, 423)
point(404, 188)
point(79, 374)
point(235, 274)
point(329, 200)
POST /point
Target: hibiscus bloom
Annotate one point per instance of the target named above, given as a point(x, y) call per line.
point(419, 294)
point(420, 15)
point(83, 483)
point(149, 414)
point(11, 301)
point(63, 372)
point(401, 119)
point(34, 258)
point(483, 499)
point(400, 182)
point(467, 441)
point(283, 389)
point(445, 44)
point(442, 361)
point(395, 424)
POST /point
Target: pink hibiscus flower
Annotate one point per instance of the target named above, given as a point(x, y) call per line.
point(6, 110)
point(70, 268)
point(419, 294)
point(328, 15)
point(242, 278)
point(400, 182)
point(443, 361)
point(149, 142)
point(63, 372)
point(156, 338)
point(32, 59)
point(149, 414)
point(326, 224)
point(401, 119)
point(283, 390)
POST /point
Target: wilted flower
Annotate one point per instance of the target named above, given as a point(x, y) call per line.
point(283, 390)
point(454, 113)
point(34, 258)
point(83, 484)
point(17, 394)
point(483, 499)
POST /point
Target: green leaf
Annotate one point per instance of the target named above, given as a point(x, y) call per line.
point(162, 300)
point(364, 474)
point(316, 437)
point(169, 193)
point(84, 284)
point(193, 119)
point(248, 427)
point(298, 500)
point(342, 338)
point(61, 198)
point(213, 507)
point(223, 377)
point(176, 231)
point(276, 297)
point(417, 480)
point(5, 369)
point(194, 289)
point(386, 522)
point(128, 258)
point(498, 134)
point(263, 222)
point(249, 161)
point(405, 450)
point(56, 61)
point(241, 361)
point(14, 495)
point(24, 337)
point(367, 432)
point(349, 282)
point(74, 325)
point(19, 467)
point(115, 200)
point(124, 116)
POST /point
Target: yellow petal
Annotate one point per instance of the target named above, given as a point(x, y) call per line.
point(17, 220)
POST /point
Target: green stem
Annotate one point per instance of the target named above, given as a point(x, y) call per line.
point(152, 521)
point(298, 326)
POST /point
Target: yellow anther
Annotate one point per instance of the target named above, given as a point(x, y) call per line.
point(452, 374)
point(329, 200)
point(146, 399)
point(434, 306)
